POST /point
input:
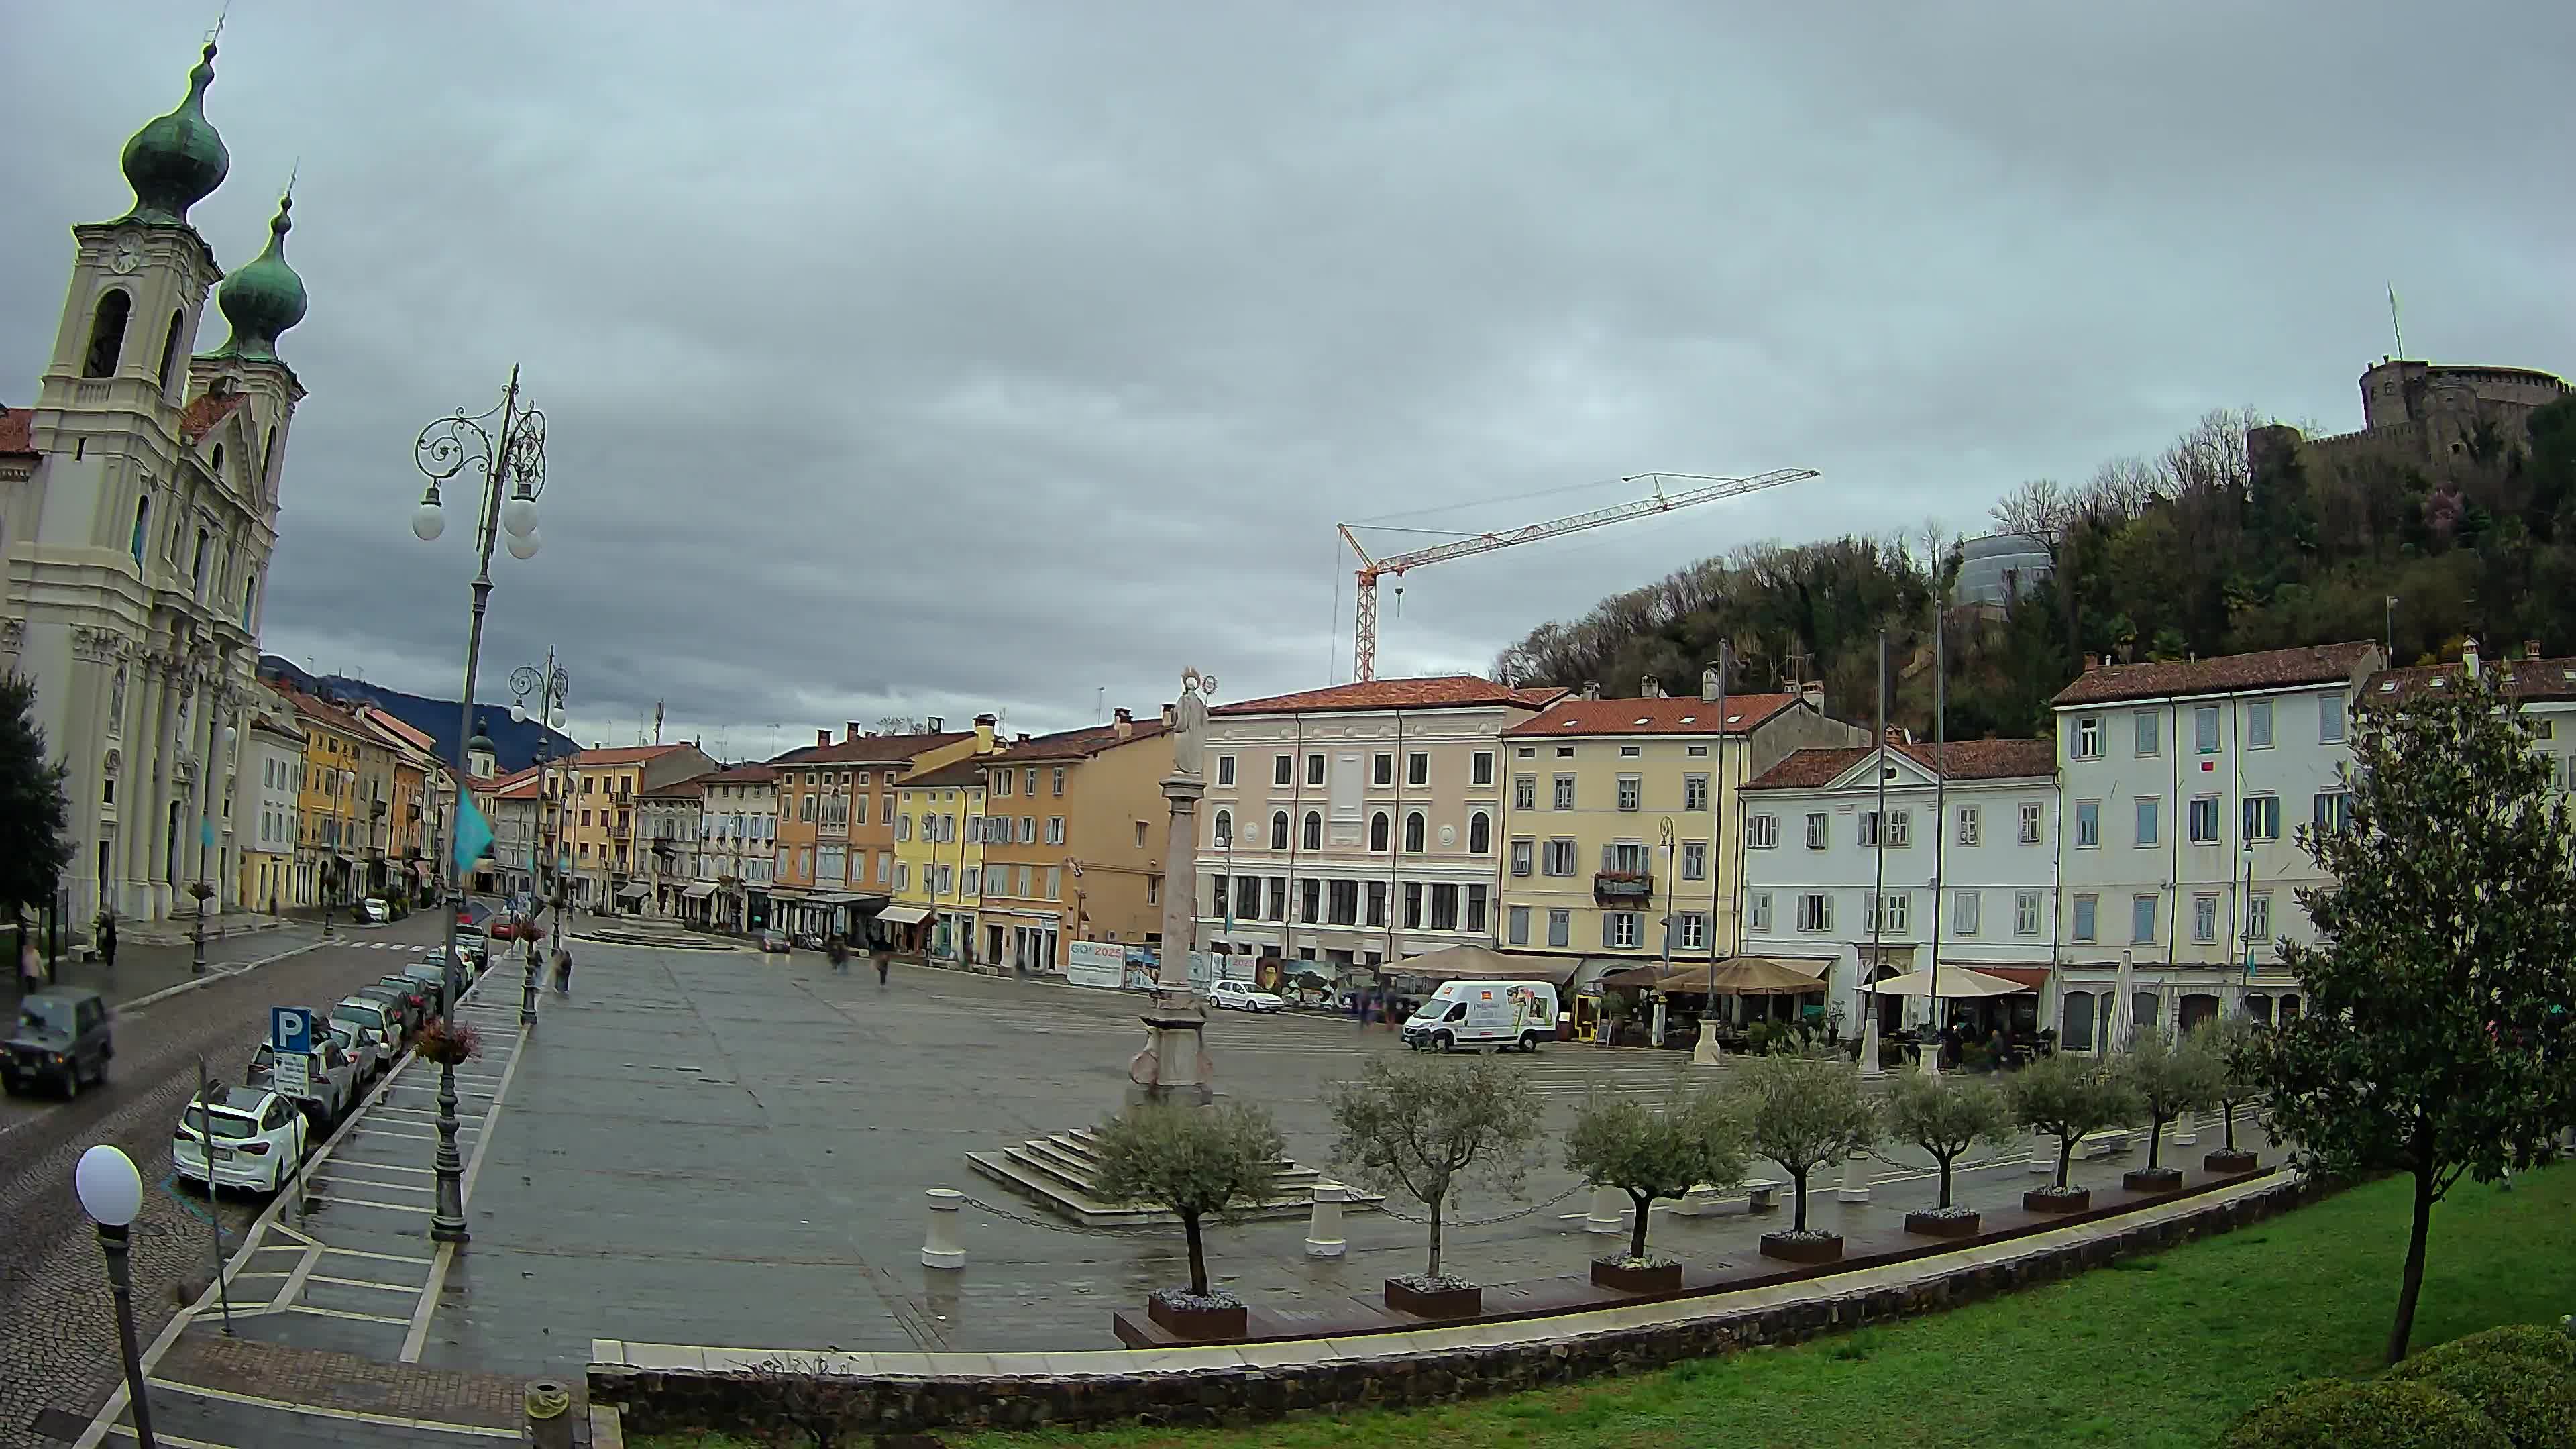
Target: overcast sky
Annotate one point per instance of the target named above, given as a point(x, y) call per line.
point(934, 358)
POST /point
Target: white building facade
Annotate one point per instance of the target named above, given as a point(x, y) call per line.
point(2184, 784)
point(1341, 825)
point(1960, 870)
point(668, 825)
point(737, 852)
point(136, 544)
point(265, 823)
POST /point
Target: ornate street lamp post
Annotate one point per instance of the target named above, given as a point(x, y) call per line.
point(111, 1192)
point(508, 447)
point(550, 686)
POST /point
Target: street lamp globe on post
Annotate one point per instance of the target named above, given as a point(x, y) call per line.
point(551, 685)
point(111, 1192)
point(507, 447)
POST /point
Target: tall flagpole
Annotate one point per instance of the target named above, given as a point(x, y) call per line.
point(1931, 1058)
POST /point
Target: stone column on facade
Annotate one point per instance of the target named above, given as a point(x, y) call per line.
point(139, 789)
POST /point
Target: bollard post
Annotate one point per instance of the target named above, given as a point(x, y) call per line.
point(1609, 1208)
point(1855, 1186)
point(941, 1248)
point(1324, 1225)
point(2187, 1129)
point(2043, 1155)
point(549, 1406)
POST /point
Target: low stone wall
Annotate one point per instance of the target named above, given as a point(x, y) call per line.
point(663, 1401)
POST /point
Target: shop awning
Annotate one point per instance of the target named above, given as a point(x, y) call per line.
point(1734, 976)
point(1475, 963)
point(699, 892)
point(1957, 982)
point(904, 915)
point(421, 869)
point(834, 898)
point(2029, 978)
point(633, 892)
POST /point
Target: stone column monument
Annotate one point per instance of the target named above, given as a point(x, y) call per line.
point(1174, 1066)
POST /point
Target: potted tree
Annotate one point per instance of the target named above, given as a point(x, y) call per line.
point(1802, 1110)
point(1198, 1162)
point(2066, 1096)
point(2242, 1049)
point(1651, 1153)
point(1428, 1127)
point(2168, 1078)
point(1945, 1117)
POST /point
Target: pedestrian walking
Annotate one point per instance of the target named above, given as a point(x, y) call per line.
point(31, 967)
point(885, 960)
point(563, 972)
point(107, 939)
point(840, 954)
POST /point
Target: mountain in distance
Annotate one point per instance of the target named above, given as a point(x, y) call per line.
point(514, 744)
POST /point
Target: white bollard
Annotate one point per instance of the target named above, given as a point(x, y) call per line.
point(1324, 1225)
point(2043, 1154)
point(1855, 1186)
point(941, 1248)
point(1869, 1066)
point(1609, 1211)
point(1705, 1053)
point(2187, 1130)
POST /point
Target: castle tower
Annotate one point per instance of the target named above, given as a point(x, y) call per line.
point(136, 553)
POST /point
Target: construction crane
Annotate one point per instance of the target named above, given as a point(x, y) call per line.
point(1364, 644)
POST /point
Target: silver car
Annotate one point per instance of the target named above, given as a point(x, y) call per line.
point(334, 1074)
point(361, 1047)
point(375, 1019)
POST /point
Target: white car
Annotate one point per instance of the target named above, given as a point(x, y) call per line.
point(362, 1048)
point(372, 1019)
point(1243, 997)
point(254, 1137)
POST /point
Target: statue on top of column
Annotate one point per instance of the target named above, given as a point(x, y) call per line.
point(1189, 723)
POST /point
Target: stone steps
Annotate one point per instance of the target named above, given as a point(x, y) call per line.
point(1062, 1171)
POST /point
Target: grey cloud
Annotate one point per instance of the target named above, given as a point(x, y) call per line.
point(929, 359)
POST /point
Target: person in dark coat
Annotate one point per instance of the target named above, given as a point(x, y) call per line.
point(107, 940)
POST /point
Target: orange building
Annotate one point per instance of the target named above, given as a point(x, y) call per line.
point(836, 809)
point(599, 816)
point(1074, 830)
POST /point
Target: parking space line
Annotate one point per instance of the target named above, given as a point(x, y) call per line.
point(366, 1283)
point(378, 1257)
point(309, 1309)
point(370, 1182)
point(321, 1411)
point(163, 1437)
point(391, 1207)
point(418, 1333)
point(380, 1166)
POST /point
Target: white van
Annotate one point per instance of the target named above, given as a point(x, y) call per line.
point(1485, 1013)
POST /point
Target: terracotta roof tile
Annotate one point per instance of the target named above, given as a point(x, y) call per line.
point(315, 707)
point(870, 749)
point(207, 410)
point(1652, 716)
point(1079, 744)
point(1448, 691)
point(693, 788)
point(17, 432)
point(2270, 669)
point(2524, 679)
point(1963, 759)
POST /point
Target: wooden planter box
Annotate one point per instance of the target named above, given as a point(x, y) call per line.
point(1227, 1322)
point(1802, 1250)
point(1938, 1227)
point(1434, 1302)
point(2039, 1201)
point(2223, 1161)
point(2152, 1179)
point(1661, 1278)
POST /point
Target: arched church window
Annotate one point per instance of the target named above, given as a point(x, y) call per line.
point(197, 562)
point(170, 350)
point(142, 521)
point(219, 463)
point(107, 333)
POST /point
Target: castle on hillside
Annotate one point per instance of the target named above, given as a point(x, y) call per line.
point(2424, 413)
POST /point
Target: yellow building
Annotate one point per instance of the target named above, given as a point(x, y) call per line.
point(1074, 833)
point(331, 818)
point(939, 854)
point(599, 816)
point(1620, 821)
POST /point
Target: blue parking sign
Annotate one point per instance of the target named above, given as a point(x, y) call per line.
point(290, 1029)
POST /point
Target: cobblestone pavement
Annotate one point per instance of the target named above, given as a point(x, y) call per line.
point(238, 1393)
point(59, 1350)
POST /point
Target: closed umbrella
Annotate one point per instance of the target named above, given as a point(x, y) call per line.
point(2124, 1014)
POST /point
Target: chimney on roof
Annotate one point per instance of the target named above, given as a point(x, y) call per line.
point(822, 737)
point(849, 731)
point(1171, 716)
point(2530, 648)
point(932, 725)
point(1592, 689)
point(1708, 686)
point(1896, 734)
point(2469, 658)
point(984, 724)
point(1123, 723)
point(2092, 663)
point(1021, 738)
point(1813, 692)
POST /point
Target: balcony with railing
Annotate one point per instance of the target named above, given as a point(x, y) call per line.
point(1623, 887)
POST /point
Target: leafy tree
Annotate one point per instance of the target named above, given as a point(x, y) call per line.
point(2437, 1042)
point(1802, 1110)
point(2241, 1048)
point(1196, 1161)
point(1651, 1152)
point(2169, 1078)
point(33, 849)
point(2067, 1096)
point(1427, 1127)
point(1945, 1117)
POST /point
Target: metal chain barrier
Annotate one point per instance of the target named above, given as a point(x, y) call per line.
point(1522, 1212)
point(1026, 1221)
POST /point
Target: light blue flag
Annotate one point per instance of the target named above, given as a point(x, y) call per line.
point(206, 831)
point(473, 837)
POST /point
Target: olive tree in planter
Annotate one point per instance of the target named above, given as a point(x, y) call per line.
point(2169, 1078)
point(2067, 1096)
point(1198, 1162)
point(1652, 1153)
point(1945, 1116)
point(1802, 1110)
point(2241, 1048)
point(1429, 1127)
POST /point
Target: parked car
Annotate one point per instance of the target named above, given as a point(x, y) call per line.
point(362, 1047)
point(1243, 996)
point(334, 1074)
point(774, 943)
point(240, 1137)
point(430, 970)
point(516, 929)
point(62, 1039)
point(475, 945)
point(372, 911)
point(376, 1019)
point(421, 996)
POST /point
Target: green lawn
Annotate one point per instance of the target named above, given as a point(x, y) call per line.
point(2154, 1353)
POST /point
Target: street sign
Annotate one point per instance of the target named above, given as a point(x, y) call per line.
point(291, 1074)
point(290, 1030)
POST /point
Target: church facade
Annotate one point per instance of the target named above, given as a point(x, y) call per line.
point(137, 524)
